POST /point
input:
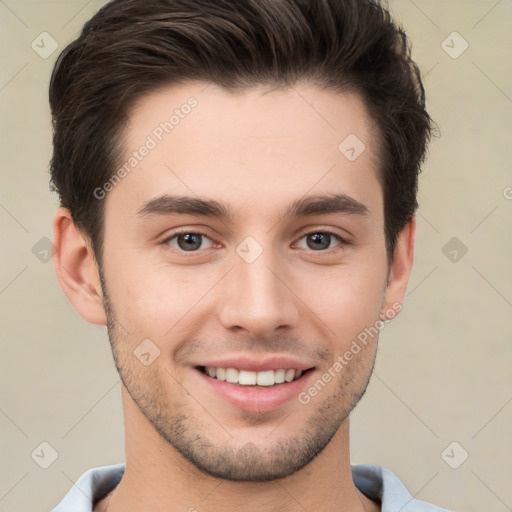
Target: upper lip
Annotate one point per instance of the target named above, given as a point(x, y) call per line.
point(256, 363)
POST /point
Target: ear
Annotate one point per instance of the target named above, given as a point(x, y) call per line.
point(77, 269)
point(399, 271)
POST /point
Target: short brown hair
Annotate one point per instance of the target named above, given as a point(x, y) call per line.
point(131, 47)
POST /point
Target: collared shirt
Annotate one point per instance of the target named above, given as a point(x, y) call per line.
point(377, 483)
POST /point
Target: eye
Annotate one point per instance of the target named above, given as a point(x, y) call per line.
point(190, 242)
point(320, 241)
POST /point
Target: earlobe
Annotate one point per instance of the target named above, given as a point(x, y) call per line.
point(399, 271)
point(77, 269)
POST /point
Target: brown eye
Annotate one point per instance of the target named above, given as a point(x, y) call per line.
point(189, 241)
point(320, 241)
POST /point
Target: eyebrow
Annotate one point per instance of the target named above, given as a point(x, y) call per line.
point(319, 205)
point(306, 206)
point(185, 205)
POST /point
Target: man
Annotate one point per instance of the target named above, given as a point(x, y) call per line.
point(238, 186)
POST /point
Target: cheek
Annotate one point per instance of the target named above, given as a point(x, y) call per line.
point(138, 298)
point(150, 307)
point(348, 300)
point(157, 301)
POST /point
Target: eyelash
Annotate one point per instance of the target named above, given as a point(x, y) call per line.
point(332, 250)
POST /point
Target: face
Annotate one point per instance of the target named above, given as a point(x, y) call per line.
point(244, 249)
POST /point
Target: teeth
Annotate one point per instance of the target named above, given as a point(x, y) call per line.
point(279, 376)
point(288, 376)
point(248, 378)
point(232, 375)
point(266, 378)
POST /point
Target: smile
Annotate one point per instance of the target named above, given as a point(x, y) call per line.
point(252, 378)
point(258, 390)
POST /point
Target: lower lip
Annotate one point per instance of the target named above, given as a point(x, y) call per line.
point(256, 399)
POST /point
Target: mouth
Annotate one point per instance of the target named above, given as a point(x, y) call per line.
point(248, 378)
point(255, 387)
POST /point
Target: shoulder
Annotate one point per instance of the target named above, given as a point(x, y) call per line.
point(381, 484)
point(91, 487)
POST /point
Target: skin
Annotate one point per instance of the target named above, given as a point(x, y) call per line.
point(256, 152)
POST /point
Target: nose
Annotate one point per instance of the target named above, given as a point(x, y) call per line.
point(257, 298)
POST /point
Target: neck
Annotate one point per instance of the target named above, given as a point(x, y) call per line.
point(157, 478)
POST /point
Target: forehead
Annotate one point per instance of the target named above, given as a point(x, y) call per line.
point(257, 148)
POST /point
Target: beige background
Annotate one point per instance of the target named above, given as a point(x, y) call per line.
point(444, 369)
